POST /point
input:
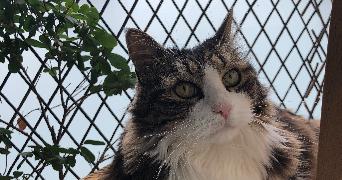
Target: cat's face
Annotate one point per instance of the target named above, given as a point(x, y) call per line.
point(208, 93)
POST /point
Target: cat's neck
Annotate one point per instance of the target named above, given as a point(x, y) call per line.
point(244, 157)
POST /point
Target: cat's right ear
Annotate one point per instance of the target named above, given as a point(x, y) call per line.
point(145, 53)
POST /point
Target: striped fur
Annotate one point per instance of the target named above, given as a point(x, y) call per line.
point(169, 137)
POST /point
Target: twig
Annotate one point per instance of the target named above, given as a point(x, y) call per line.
point(102, 157)
point(65, 108)
point(38, 97)
point(22, 132)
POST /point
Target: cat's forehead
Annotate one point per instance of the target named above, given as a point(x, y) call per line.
point(192, 63)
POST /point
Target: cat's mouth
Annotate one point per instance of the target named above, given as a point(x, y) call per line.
point(225, 130)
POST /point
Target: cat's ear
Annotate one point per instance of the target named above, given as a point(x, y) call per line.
point(144, 51)
point(222, 35)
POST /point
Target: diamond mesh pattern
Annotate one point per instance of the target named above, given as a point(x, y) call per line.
point(286, 41)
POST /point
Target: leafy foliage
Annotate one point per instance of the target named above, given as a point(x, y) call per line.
point(51, 155)
point(5, 135)
point(71, 37)
point(68, 32)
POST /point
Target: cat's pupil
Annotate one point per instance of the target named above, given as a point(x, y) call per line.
point(186, 90)
point(231, 78)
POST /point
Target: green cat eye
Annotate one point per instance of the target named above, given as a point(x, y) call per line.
point(231, 78)
point(186, 90)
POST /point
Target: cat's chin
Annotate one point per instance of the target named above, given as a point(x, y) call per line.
point(224, 134)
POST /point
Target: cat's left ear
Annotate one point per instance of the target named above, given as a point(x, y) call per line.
point(222, 35)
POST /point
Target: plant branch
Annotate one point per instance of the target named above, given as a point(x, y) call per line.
point(102, 157)
point(22, 132)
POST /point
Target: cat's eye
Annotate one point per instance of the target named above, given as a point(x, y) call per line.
point(231, 78)
point(186, 90)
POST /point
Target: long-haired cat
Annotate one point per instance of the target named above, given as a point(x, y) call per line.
point(202, 114)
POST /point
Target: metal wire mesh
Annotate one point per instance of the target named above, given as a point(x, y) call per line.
point(286, 39)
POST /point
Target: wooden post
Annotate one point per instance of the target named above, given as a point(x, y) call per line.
point(329, 166)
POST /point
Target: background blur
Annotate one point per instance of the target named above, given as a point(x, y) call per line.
point(286, 41)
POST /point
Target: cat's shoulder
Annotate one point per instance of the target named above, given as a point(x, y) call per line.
point(286, 119)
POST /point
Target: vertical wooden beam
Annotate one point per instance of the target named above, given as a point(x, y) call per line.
point(329, 165)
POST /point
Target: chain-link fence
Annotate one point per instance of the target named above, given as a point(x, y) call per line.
point(286, 40)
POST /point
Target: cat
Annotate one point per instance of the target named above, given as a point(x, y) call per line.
point(202, 114)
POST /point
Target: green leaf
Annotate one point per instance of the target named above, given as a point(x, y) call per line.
point(93, 142)
point(85, 58)
point(63, 150)
point(57, 165)
point(87, 154)
point(71, 161)
point(17, 174)
point(64, 36)
point(8, 40)
point(71, 39)
point(20, 1)
point(26, 154)
point(6, 141)
point(128, 83)
point(67, 1)
point(50, 6)
point(9, 11)
point(6, 177)
point(74, 5)
point(90, 42)
point(83, 31)
point(118, 61)
point(95, 88)
point(23, 45)
point(45, 40)
point(5, 151)
point(105, 67)
point(6, 131)
point(49, 55)
point(16, 18)
point(52, 72)
point(70, 24)
point(84, 9)
point(35, 43)
point(79, 16)
point(71, 19)
point(29, 21)
point(80, 62)
point(33, 2)
point(93, 76)
point(93, 13)
point(34, 29)
point(61, 159)
point(3, 55)
point(105, 39)
point(70, 63)
point(13, 66)
point(73, 151)
point(50, 21)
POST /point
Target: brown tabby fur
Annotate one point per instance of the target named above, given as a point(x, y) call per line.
point(155, 108)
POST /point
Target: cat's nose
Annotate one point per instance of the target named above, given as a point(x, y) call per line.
point(223, 109)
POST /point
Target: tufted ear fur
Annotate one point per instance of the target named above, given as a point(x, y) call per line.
point(145, 53)
point(222, 35)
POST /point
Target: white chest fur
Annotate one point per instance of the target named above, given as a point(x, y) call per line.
point(243, 158)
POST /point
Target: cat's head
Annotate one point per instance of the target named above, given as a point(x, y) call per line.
point(210, 92)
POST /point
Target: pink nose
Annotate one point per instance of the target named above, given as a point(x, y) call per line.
point(223, 109)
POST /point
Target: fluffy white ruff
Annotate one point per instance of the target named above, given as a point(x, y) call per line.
point(242, 158)
point(205, 146)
